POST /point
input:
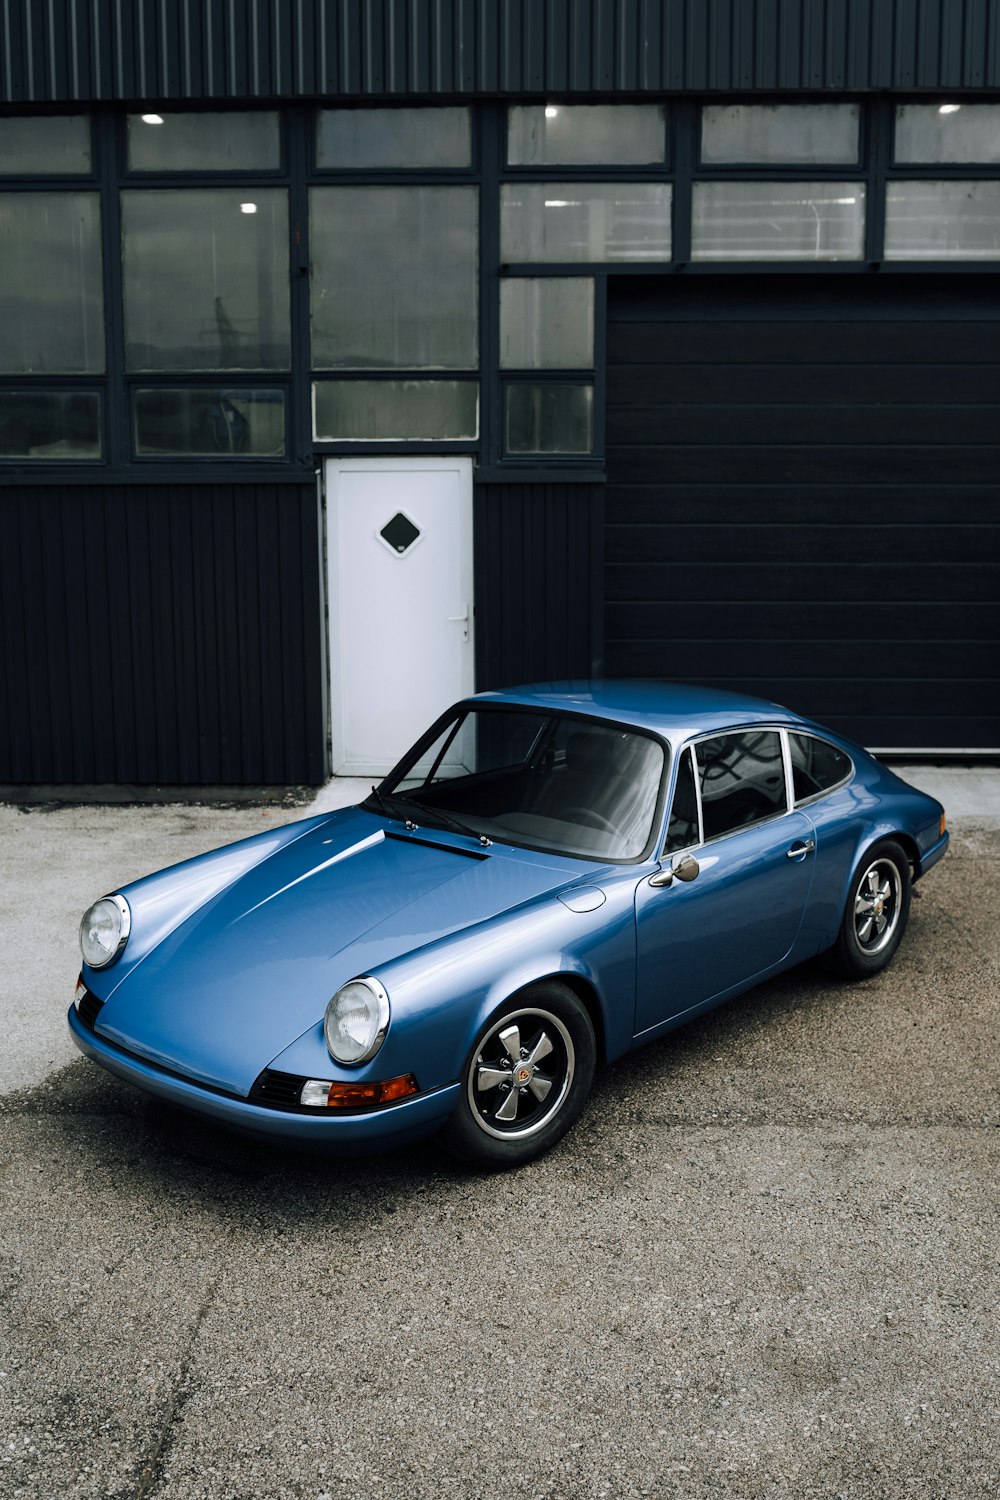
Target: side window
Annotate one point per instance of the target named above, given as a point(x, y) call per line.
point(742, 780)
point(682, 830)
point(817, 766)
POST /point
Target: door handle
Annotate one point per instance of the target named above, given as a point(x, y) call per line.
point(801, 848)
point(463, 620)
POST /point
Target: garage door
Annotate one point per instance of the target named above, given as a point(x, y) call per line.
point(803, 485)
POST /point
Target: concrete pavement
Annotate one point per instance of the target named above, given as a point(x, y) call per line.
point(763, 1267)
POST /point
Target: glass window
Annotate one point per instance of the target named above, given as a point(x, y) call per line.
point(682, 829)
point(817, 766)
point(210, 423)
point(548, 781)
point(570, 135)
point(783, 134)
point(942, 221)
point(404, 410)
point(550, 417)
point(948, 132)
point(778, 221)
point(547, 323)
point(220, 141)
point(395, 278)
point(375, 139)
point(584, 221)
point(51, 288)
point(206, 279)
point(742, 780)
point(50, 424)
point(33, 145)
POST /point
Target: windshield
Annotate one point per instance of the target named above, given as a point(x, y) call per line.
point(545, 780)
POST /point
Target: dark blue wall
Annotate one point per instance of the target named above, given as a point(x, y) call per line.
point(161, 634)
point(66, 50)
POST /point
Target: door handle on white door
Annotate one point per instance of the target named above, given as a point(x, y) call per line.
point(463, 620)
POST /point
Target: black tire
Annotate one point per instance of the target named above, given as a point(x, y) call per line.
point(546, 1033)
point(875, 917)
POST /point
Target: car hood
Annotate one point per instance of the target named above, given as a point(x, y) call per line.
point(237, 982)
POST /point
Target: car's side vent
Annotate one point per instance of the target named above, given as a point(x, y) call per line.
point(88, 1009)
point(278, 1090)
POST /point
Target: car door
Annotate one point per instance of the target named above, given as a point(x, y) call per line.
point(738, 918)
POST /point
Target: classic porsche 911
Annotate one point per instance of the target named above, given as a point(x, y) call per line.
point(551, 876)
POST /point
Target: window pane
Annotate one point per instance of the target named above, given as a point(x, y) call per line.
point(942, 221)
point(41, 144)
point(585, 221)
point(682, 830)
point(547, 324)
point(206, 279)
point(948, 132)
point(50, 424)
point(780, 133)
point(742, 780)
point(550, 418)
point(404, 410)
point(51, 290)
point(386, 138)
point(817, 766)
point(394, 278)
point(210, 423)
point(220, 141)
point(548, 782)
point(778, 221)
point(540, 135)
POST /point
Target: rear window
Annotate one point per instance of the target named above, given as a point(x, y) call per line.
point(817, 766)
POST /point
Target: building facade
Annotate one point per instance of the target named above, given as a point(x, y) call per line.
point(357, 353)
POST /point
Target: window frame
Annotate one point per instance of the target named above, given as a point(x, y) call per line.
point(782, 730)
point(314, 176)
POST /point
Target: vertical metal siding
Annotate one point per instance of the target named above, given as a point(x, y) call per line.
point(161, 634)
point(538, 581)
point(66, 50)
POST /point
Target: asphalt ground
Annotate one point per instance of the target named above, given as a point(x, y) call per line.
point(764, 1264)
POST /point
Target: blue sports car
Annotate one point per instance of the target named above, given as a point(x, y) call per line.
point(551, 876)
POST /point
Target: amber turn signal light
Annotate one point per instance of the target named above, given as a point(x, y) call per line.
point(358, 1095)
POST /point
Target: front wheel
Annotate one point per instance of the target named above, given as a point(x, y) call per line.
point(526, 1079)
point(875, 917)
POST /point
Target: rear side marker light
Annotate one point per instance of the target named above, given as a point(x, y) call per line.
point(320, 1093)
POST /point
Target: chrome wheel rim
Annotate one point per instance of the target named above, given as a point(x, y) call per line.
point(876, 906)
point(521, 1074)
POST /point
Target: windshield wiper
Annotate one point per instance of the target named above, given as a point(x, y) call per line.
point(384, 807)
point(450, 821)
point(432, 814)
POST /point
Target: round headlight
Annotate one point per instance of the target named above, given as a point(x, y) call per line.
point(104, 931)
point(357, 1019)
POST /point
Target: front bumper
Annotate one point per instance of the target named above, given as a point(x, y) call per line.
point(353, 1134)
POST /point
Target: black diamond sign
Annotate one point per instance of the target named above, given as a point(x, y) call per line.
point(400, 532)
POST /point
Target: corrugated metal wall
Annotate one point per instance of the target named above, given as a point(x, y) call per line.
point(539, 583)
point(161, 634)
point(802, 496)
point(64, 50)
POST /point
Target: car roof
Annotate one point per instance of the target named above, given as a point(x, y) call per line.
point(674, 710)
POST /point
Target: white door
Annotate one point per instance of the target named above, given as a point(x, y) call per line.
point(399, 542)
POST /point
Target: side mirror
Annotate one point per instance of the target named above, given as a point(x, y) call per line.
point(685, 869)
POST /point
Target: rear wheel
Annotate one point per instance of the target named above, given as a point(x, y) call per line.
point(875, 917)
point(526, 1079)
